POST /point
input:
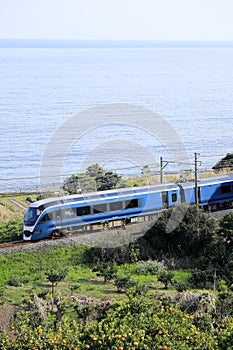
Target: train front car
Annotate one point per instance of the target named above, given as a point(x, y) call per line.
point(30, 218)
point(34, 226)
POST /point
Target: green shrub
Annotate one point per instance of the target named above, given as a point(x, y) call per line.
point(166, 278)
point(106, 270)
point(150, 267)
point(225, 337)
point(15, 281)
point(132, 325)
point(11, 231)
point(123, 284)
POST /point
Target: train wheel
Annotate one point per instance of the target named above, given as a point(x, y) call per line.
point(67, 232)
point(56, 234)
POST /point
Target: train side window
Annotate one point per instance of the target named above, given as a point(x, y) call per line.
point(174, 197)
point(45, 218)
point(38, 211)
point(56, 214)
point(131, 204)
point(99, 208)
point(83, 210)
point(225, 189)
point(116, 206)
point(68, 213)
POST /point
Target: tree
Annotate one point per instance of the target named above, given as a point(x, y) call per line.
point(221, 254)
point(189, 238)
point(80, 183)
point(226, 229)
point(95, 170)
point(54, 276)
point(95, 179)
point(165, 277)
point(107, 270)
point(225, 163)
point(107, 181)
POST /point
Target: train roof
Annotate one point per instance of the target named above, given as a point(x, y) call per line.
point(208, 181)
point(119, 192)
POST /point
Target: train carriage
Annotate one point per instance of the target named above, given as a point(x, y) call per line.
point(213, 193)
point(61, 215)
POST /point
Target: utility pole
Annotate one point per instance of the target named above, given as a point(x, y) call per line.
point(163, 164)
point(196, 178)
point(161, 170)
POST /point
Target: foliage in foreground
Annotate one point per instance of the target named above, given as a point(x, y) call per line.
point(136, 324)
point(11, 231)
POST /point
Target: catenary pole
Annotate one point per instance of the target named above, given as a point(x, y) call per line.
point(196, 178)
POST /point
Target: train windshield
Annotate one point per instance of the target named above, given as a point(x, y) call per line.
point(31, 216)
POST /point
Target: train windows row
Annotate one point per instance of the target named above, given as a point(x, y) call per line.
point(226, 189)
point(69, 213)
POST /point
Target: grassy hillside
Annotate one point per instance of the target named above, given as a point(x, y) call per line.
point(13, 206)
point(54, 299)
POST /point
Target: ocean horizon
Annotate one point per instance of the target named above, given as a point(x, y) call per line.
point(88, 43)
point(45, 82)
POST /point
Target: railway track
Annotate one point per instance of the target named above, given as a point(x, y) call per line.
point(106, 239)
point(12, 244)
point(24, 243)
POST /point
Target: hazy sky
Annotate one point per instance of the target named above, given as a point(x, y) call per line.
point(117, 19)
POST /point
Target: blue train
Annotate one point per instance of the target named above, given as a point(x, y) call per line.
point(61, 215)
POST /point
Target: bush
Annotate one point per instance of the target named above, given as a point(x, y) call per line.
point(123, 284)
point(132, 325)
point(181, 286)
point(225, 338)
point(11, 231)
point(14, 281)
point(200, 279)
point(166, 278)
point(106, 270)
point(150, 267)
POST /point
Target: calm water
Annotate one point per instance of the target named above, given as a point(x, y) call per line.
point(40, 88)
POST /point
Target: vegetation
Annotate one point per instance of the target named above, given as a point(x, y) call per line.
point(129, 316)
point(225, 163)
point(171, 289)
point(187, 243)
point(95, 179)
point(11, 230)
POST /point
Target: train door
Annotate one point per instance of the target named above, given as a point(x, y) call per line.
point(58, 221)
point(164, 199)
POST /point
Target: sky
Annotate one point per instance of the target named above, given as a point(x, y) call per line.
point(117, 19)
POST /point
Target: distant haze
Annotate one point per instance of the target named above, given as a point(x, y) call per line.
point(117, 20)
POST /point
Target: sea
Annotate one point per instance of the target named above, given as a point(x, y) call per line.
point(67, 104)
